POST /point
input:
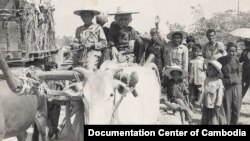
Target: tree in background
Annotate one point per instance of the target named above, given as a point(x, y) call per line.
point(175, 26)
point(222, 22)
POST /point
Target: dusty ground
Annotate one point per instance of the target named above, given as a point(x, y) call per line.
point(244, 116)
point(169, 119)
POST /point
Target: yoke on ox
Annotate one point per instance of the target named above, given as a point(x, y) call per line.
point(102, 95)
point(107, 99)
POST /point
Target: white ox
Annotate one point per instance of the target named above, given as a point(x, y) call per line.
point(100, 96)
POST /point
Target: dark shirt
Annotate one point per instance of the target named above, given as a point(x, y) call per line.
point(114, 32)
point(157, 50)
point(177, 90)
point(245, 65)
point(230, 69)
point(106, 31)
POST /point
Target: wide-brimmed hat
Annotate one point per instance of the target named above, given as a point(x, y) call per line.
point(168, 71)
point(87, 9)
point(170, 35)
point(217, 65)
point(123, 11)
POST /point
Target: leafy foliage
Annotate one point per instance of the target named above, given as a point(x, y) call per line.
point(175, 26)
point(222, 22)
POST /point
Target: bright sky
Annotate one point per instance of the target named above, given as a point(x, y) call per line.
point(168, 10)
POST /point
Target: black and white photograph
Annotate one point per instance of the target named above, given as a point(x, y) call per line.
point(65, 64)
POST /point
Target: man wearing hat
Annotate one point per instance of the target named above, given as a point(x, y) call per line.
point(89, 40)
point(176, 53)
point(122, 20)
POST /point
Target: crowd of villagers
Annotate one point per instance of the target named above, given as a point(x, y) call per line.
point(213, 76)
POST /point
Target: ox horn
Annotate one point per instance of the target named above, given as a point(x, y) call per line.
point(122, 87)
point(13, 83)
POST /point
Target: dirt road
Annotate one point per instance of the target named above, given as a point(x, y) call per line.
point(167, 119)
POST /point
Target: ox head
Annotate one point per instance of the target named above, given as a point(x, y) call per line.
point(99, 90)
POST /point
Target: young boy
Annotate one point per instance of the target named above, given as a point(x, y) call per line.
point(232, 83)
point(125, 48)
point(89, 41)
point(213, 111)
point(178, 92)
point(155, 47)
point(190, 43)
point(197, 73)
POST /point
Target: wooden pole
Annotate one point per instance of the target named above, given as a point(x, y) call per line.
point(58, 75)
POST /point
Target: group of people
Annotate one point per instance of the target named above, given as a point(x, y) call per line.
point(191, 74)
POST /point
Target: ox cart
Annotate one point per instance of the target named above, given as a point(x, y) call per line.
point(27, 37)
point(27, 34)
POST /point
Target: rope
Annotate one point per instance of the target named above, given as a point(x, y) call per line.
point(84, 56)
point(77, 76)
point(31, 84)
point(116, 107)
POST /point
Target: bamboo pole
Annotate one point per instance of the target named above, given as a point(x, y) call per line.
point(58, 75)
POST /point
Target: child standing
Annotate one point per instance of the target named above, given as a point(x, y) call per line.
point(178, 92)
point(197, 73)
point(231, 80)
point(213, 112)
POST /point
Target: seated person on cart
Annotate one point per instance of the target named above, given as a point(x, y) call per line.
point(89, 41)
point(125, 49)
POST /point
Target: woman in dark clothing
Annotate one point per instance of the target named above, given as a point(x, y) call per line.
point(232, 83)
point(245, 58)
